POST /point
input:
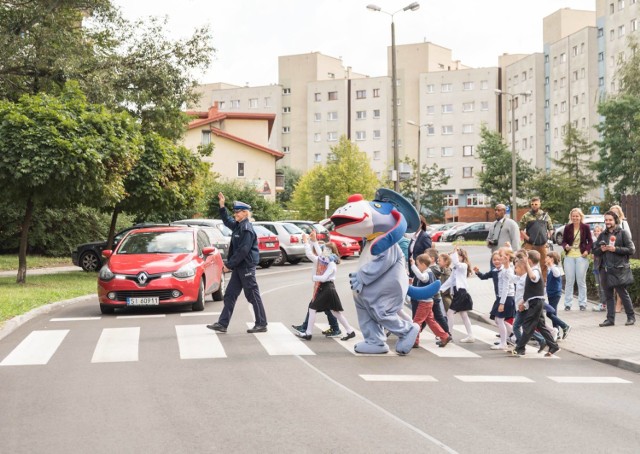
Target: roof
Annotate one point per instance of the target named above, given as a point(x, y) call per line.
point(221, 133)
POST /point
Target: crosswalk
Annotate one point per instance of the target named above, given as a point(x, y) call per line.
point(195, 341)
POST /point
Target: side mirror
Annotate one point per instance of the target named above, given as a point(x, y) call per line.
point(107, 253)
point(208, 250)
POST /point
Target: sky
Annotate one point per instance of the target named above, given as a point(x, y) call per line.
point(249, 35)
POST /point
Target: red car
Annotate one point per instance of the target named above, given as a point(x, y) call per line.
point(161, 266)
point(347, 246)
point(268, 246)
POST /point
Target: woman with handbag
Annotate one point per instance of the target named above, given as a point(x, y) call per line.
point(614, 247)
point(624, 225)
point(577, 243)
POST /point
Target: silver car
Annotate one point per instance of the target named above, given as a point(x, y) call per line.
point(290, 237)
point(218, 233)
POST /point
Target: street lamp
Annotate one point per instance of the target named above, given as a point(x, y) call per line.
point(514, 203)
point(395, 176)
point(418, 181)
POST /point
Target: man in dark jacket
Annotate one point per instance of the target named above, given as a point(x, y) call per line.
point(242, 259)
point(613, 248)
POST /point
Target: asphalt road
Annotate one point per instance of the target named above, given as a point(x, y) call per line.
point(159, 382)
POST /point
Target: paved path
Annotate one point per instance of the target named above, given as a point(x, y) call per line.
point(32, 271)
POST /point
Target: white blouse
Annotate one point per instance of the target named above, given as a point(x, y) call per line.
point(458, 278)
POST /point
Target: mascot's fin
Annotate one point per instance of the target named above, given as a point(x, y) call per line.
point(402, 205)
point(388, 239)
point(424, 293)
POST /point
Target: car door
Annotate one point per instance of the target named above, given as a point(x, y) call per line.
point(207, 263)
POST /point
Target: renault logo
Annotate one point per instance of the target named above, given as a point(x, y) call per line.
point(143, 278)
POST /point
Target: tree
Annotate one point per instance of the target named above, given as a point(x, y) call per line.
point(291, 178)
point(495, 179)
point(262, 209)
point(347, 172)
point(556, 189)
point(431, 180)
point(58, 151)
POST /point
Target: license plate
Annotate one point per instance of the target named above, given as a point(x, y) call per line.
point(356, 253)
point(270, 244)
point(147, 301)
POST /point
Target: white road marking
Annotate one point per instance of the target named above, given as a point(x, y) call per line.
point(349, 344)
point(480, 333)
point(197, 342)
point(117, 345)
point(427, 342)
point(37, 348)
point(279, 340)
point(589, 380)
point(493, 379)
point(420, 378)
point(73, 319)
point(141, 316)
point(198, 314)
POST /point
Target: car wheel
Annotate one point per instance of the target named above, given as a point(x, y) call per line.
point(89, 261)
point(295, 261)
point(266, 264)
point(460, 238)
point(282, 258)
point(107, 309)
point(559, 238)
point(199, 304)
point(218, 295)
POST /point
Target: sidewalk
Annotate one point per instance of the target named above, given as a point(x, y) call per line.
point(618, 345)
point(33, 271)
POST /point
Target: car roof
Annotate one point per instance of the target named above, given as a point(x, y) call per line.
point(198, 221)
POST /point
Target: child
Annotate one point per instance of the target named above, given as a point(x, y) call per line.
point(554, 292)
point(424, 311)
point(601, 307)
point(504, 307)
point(520, 278)
point(438, 306)
point(325, 296)
point(532, 307)
point(492, 273)
point(462, 302)
point(444, 263)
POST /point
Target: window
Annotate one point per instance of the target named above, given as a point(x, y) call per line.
point(563, 58)
point(317, 97)
point(332, 116)
point(317, 157)
point(317, 137)
point(376, 92)
point(286, 130)
point(524, 144)
point(206, 138)
point(448, 129)
point(286, 110)
point(235, 103)
point(286, 149)
point(332, 136)
point(431, 110)
point(240, 169)
point(446, 151)
point(451, 200)
point(563, 106)
point(467, 150)
point(447, 108)
point(431, 130)
point(361, 94)
point(467, 107)
point(448, 171)
point(317, 116)
point(477, 200)
point(446, 88)
point(484, 85)
point(431, 88)
point(575, 75)
point(361, 115)
point(524, 121)
point(620, 4)
point(376, 155)
point(267, 101)
point(601, 81)
point(633, 26)
point(361, 135)
point(546, 58)
point(376, 134)
point(600, 32)
point(484, 105)
point(563, 82)
point(620, 31)
point(467, 172)
point(332, 96)
point(576, 100)
point(376, 113)
point(524, 75)
point(286, 91)
point(611, 8)
point(574, 50)
point(612, 35)
point(253, 103)
point(467, 129)
point(431, 152)
point(466, 86)
point(221, 105)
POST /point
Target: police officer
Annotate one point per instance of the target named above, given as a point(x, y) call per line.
point(241, 261)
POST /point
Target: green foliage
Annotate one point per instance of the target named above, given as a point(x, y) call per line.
point(575, 164)
point(291, 178)
point(432, 178)
point(262, 209)
point(556, 190)
point(495, 179)
point(347, 172)
point(633, 289)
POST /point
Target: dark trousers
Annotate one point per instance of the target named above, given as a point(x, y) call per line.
point(243, 278)
point(553, 315)
point(333, 321)
point(439, 315)
point(534, 318)
point(610, 301)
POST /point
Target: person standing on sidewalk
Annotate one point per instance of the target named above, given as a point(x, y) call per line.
point(624, 225)
point(577, 244)
point(503, 230)
point(614, 247)
point(536, 228)
point(241, 260)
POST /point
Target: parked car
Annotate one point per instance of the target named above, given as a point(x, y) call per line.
point(326, 223)
point(290, 237)
point(437, 235)
point(268, 246)
point(217, 223)
point(472, 231)
point(347, 246)
point(590, 219)
point(161, 266)
point(219, 234)
point(88, 256)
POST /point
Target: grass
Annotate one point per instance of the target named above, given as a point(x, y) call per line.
point(470, 243)
point(10, 262)
point(16, 299)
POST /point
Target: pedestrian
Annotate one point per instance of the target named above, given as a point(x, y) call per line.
point(420, 242)
point(554, 292)
point(613, 248)
point(503, 230)
point(439, 312)
point(532, 307)
point(444, 263)
point(457, 282)
point(504, 306)
point(325, 297)
point(242, 259)
point(536, 228)
point(601, 306)
point(424, 311)
point(520, 279)
point(624, 225)
point(577, 244)
point(313, 249)
point(492, 274)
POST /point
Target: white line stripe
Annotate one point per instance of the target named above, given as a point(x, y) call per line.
point(141, 316)
point(480, 333)
point(493, 379)
point(37, 348)
point(589, 380)
point(278, 340)
point(197, 342)
point(427, 342)
point(198, 314)
point(73, 319)
point(420, 378)
point(117, 345)
point(348, 345)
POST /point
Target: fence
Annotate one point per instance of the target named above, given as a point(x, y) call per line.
point(630, 204)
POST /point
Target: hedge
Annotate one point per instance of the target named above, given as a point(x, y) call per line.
point(634, 289)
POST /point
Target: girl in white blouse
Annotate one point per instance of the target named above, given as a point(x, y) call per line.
point(457, 283)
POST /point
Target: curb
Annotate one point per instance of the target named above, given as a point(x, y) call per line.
point(14, 323)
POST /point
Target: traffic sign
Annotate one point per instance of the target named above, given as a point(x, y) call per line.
point(595, 209)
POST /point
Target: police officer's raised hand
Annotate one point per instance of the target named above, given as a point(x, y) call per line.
point(221, 199)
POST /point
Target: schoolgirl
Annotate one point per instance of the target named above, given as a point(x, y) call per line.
point(462, 302)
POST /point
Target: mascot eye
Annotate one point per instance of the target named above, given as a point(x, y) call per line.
point(377, 205)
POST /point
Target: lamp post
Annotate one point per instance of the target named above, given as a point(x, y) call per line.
point(395, 176)
point(418, 180)
point(514, 203)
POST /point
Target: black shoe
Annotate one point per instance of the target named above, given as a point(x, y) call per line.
point(567, 308)
point(304, 336)
point(257, 329)
point(300, 328)
point(515, 352)
point(218, 327)
point(350, 335)
point(542, 346)
point(552, 351)
point(630, 321)
point(607, 322)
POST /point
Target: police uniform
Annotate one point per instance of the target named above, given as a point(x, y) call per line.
point(242, 259)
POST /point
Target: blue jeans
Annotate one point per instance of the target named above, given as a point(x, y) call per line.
point(575, 269)
point(552, 314)
point(517, 328)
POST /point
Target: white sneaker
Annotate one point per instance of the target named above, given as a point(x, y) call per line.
point(468, 340)
point(555, 333)
point(498, 347)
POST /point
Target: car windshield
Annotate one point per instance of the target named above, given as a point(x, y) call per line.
point(320, 228)
point(157, 243)
point(261, 231)
point(290, 228)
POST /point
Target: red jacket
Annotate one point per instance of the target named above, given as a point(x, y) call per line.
point(586, 242)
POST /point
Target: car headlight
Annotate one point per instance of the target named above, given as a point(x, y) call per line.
point(188, 270)
point(106, 274)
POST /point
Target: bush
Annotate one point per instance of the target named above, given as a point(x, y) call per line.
point(634, 289)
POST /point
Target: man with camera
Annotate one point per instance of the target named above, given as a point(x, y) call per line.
point(504, 230)
point(536, 228)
